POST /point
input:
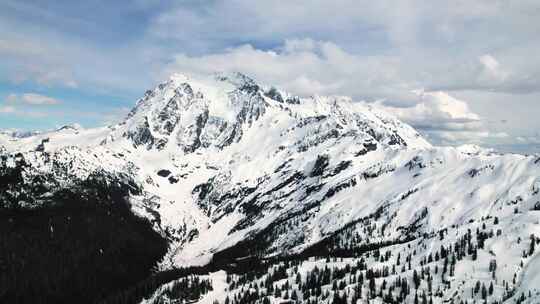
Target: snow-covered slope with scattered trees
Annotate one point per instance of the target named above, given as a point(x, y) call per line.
point(326, 191)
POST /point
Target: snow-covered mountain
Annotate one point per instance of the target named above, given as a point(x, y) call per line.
point(226, 168)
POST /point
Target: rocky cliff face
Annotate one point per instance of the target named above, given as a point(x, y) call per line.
point(182, 115)
point(228, 168)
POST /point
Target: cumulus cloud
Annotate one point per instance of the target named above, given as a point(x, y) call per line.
point(444, 119)
point(437, 111)
point(32, 99)
point(437, 45)
point(370, 50)
point(305, 67)
point(441, 45)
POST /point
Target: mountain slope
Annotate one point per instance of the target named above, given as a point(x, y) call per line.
point(228, 168)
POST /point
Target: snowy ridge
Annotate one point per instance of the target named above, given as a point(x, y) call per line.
point(229, 168)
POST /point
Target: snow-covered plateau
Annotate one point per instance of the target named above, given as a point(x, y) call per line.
point(343, 202)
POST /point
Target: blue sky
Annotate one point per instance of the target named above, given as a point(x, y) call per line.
point(459, 71)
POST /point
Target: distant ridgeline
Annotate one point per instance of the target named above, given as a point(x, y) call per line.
point(298, 199)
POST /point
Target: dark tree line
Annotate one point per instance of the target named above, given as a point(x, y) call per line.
point(86, 245)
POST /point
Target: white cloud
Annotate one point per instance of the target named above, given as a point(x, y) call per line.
point(492, 68)
point(305, 67)
point(32, 60)
point(437, 45)
point(32, 99)
point(366, 49)
point(531, 139)
point(436, 111)
point(27, 104)
point(467, 137)
point(444, 119)
point(447, 120)
point(490, 63)
point(7, 109)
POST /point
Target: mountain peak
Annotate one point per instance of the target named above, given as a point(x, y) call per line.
point(236, 78)
point(179, 77)
point(231, 171)
point(216, 79)
point(190, 111)
point(215, 110)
